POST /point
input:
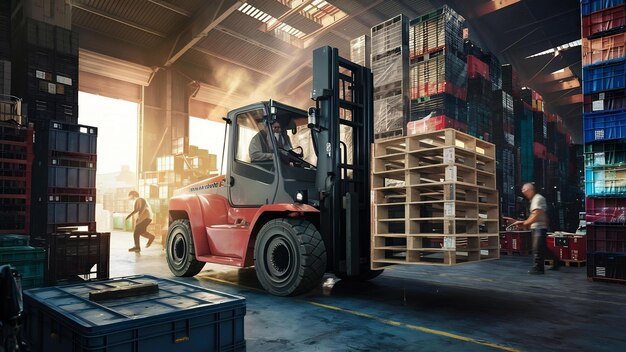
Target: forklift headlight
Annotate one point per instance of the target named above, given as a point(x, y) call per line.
point(301, 197)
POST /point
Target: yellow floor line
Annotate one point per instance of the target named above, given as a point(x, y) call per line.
point(382, 320)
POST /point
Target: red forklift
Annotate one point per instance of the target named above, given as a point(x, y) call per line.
point(294, 201)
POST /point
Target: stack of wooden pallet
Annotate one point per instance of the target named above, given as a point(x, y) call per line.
point(434, 200)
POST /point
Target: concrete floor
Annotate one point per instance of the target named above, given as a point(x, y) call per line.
point(486, 306)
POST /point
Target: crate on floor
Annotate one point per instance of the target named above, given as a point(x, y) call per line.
point(77, 254)
point(177, 317)
point(567, 247)
point(515, 242)
point(607, 267)
point(28, 261)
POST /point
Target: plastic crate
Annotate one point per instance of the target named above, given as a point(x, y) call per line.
point(75, 254)
point(605, 153)
point(605, 101)
point(72, 177)
point(605, 210)
point(604, 76)
point(605, 181)
point(606, 48)
point(13, 240)
point(66, 137)
point(180, 317)
point(28, 261)
point(434, 123)
point(606, 238)
point(567, 247)
point(589, 6)
point(604, 21)
point(609, 266)
point(602, 126)
point(515, 242)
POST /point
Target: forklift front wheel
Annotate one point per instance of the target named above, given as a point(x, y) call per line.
point(180, 253)
point(289, 256)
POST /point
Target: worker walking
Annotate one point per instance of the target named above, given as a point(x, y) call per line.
point(538, 226)
point(144, 218)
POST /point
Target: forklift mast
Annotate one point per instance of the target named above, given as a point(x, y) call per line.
point(342, 122)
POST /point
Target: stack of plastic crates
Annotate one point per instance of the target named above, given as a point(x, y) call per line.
point(390, 59)
point(64, 201)
point(16, 159)
point(438, 68)
point(604, 87)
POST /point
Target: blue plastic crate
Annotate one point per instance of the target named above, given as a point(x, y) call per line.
point(605, 181)
point(602, 126)
point(589, 6)
point(604, 76)
point(179, 317)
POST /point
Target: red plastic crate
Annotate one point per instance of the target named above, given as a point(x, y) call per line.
point(516, 242)
point(605, 210)
point(604, 20)
point(477, 68)
point(606, 238)
point(434, 123)
point(605, 48)
point(540, 150)
point(568, 247)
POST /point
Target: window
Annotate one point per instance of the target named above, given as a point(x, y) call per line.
point(249, 127)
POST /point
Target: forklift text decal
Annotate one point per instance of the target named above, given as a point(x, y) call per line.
point(207, 186)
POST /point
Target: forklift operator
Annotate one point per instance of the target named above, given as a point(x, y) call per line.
point(261, 148)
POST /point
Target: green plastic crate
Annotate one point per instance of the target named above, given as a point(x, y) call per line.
point(13, 240)
point(28, 261)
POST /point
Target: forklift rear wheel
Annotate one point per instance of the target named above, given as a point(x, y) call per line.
point(180, 252)
point(289, 256)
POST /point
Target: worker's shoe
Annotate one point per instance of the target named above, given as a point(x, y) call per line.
point(150, 240)
point(134, 249)
point(535, 271)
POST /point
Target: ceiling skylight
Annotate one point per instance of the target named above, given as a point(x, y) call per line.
point(559, 48)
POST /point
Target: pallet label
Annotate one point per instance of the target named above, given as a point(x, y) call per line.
point(449, 209)
point(450, 173)
point(597, 105)
point(448, 156)
point(449, 242)
point(601, 271)
point(598, 158)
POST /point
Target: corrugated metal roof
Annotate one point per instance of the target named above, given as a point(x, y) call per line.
point(109, 28)
point(141, 12)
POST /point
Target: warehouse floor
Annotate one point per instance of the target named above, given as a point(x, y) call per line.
point(492, 305)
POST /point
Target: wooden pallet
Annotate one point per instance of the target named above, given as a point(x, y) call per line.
point(607, 279)
point(569, 263)
point(520, 253)
point(434, 200)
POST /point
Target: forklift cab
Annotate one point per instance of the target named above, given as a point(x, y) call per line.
point(273, 155)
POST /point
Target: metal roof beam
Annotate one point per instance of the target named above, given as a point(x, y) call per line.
point(205, 20)
point(229, 60)
point(78, 5)
point(171, 7)
point(253, 42)
point(492, 6)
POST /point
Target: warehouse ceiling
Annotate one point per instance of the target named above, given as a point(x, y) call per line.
point(261, 49)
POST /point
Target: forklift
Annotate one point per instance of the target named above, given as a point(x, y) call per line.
point(294, 201)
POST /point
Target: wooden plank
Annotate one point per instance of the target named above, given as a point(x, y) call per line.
point(124, 291)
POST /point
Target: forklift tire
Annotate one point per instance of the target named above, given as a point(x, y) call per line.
point(289, 256)
point(180, 252)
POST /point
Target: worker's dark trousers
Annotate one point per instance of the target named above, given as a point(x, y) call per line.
point(539, 248)
point(141, 229)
